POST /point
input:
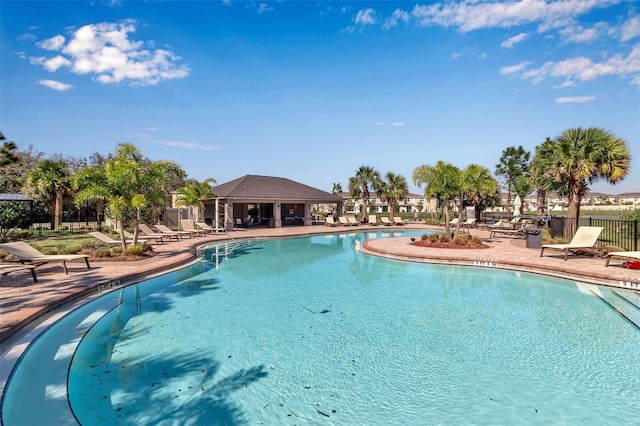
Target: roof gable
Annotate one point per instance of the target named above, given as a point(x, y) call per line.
point(267, 187)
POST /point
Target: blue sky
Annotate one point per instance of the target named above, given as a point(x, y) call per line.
point(312, 90)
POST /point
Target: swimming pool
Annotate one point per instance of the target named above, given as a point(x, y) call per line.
point(308, 330)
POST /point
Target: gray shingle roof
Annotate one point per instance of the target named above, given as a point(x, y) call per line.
point(15, 197)
point(267, 187)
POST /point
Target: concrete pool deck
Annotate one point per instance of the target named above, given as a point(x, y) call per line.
point(22, 301)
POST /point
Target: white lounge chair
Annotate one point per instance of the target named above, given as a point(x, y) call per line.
point(353, 221)
point(330, 222)
point(164, 229)
point(144, 238)
point(107, 240)
point(344, 221)
point(385, 221)
point(633, 255)
point(397, 220)
point(150, 233)
point(30, 255)
point(205, 227)
point(188, 225)
point(373, 220)
point(584, 238)
point(7, 269)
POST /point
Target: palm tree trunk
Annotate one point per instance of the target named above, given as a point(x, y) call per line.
point(573, 211)
point(58, 210)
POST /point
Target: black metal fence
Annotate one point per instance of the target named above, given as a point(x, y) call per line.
point(616, 233)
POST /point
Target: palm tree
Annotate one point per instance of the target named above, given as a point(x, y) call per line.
point(8, 150)
point(392, 191)
point(442, 181)
point(513, 164)
point(479, 186)
point(50, 181)
point(542, 181)
point(337, 188)
point(193, 193)
point(366, 179)
point(579, 157)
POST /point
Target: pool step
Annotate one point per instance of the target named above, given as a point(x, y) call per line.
point(624, 302)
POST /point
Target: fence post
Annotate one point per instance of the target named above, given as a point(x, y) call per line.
point(635, 235)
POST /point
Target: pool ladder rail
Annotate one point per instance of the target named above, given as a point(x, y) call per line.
point(624, 303)
point(213, 252)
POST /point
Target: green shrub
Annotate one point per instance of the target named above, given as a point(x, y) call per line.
point(137, 250)
point(460, 240)
point(102, 252)
point(444, 238)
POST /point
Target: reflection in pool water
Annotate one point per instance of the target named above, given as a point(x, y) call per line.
point(308, 330)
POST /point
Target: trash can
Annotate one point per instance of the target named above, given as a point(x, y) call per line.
point(556, 226)
point(534, 238)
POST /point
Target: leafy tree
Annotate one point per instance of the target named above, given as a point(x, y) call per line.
point(337, 188)
point(193, 193)
point(13, 176)
point(392, 191)
point(443, 181)
point(541, 179)
point(8, 150)
point(480, 187)
point(13, 214)
point(579, 157)
point(50, 181)
point(366, 179)
point(513, 168)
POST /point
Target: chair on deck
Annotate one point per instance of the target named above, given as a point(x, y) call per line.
point(205, 227)
point(397, 220)
point(385, 221)
point(584, 238)
point(330, 222)
point(190, 226)
point(147, 231)
point(7, 269)
point(353, 221)
point(633, 255)
point(164, 229)
point(344, 221)
point(29, 255)
point(107, 240)
point(373, 220)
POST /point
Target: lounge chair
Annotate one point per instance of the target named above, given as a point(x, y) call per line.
point(29, 255)
point(584, 238)
point(385, 221)
point(397, 220)
point(144, 238)
point(7, 269)
point(518, 233)
point(107, 240)
point(188, 225)
point(150, 233)
point(353, 221)
point(344, 221)
point(633, 255)
point(330, 222)
point(205, 227)
point(373, 220)
point(164, 229)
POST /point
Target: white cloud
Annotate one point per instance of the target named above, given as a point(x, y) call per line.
point(397, 16)
point(514, 69)
point(263, 8)
point(191, 145)
point(53, 43)
point(470, 15)
point(583, 69)
point(512, 41)
point(365, 17)
point(392, 124)
point(631, 29)
point(106, 52)
point(575, 99)
point(379, 123)
point(398, 124)
point(55, 85)
point(578, 34)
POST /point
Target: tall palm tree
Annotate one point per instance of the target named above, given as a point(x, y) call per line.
point(392, 191)
point(50, 181)
point(442, 181)
point(367, 179)
point(193, 193)
point(479, 186)
point(579, 157)
point(541, 179)
point(513, 164)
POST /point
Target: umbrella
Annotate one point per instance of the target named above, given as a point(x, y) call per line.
point(516, 206)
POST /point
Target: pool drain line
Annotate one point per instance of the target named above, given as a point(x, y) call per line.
point(617, 310)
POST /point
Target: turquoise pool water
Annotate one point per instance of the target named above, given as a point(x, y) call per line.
point(310, 331)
